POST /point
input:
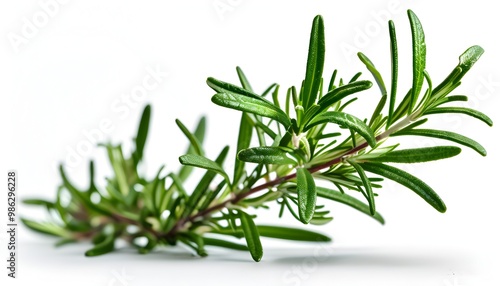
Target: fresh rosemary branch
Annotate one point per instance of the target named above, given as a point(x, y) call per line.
point(318, 152)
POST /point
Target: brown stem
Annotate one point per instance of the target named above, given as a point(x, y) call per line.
point(280, 180)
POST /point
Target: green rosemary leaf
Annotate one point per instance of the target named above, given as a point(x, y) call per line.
point(150, 244)
point(260, 126)
point(451, 98)
point(280, 232)
point(419, 55)
point(268, 90)
point(176, 181)
point(251, 235)
point(199, 134)
point(83, 198)
point(39, 202)
point(192, 139)
point(92, 186)
point(224, 87)
point(310, 113)
point(203, 185)
point(106, 246)
point(367, 184)
point(262, 199)
point(290, 233)
point(315, 61)
point(394, 71)
point(306, 191)
point(251, 105)
point(355, 77)
point(418, 155)
point(377, 113)
point(243, 79)
point(411, 182)
point(46, 228)
point(446, 135)
point(331, 85)
point(224, 243)
point(118, 163)
point(466, 61)
point(467, 111)
point(244, 138)
point(348, 200)
point(266, 155)
point(204, 163)
point(346, 120)
point(375, 73)
point(199, 242)
point(403, 107)
point(380, 82)
point(142, 134)
point(339, 93)
point(414, 124)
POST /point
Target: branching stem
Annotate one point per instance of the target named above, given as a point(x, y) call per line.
point(182, 222)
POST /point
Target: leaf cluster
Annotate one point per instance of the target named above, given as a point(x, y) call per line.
point(294, 149)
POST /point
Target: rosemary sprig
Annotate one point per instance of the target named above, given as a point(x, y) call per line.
point(320, 142)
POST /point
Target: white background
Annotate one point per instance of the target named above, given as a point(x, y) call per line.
point(60, 79)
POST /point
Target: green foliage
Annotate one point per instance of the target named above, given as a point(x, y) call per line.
point(297, 150)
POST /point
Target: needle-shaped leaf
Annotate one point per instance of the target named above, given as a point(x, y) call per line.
point(80, 195)
point(251, 105)
point(244, 138)
point(266, 155)
point(315, 61)
point(419, 54)
point(204, 163)
point(199, 134)
point(279, 232)
point(419, 155)
point(348, 200)
point(199, 243)
point(339, 93)
point(245, 133)
point(251, 236)
point(224, 87)
point(466, 61)
point(106, 246)
point(467, 111)
point(191, 137)
point(411, 182)
point(394, 70)
point(446, 135)
point(375, 73)
point(380, 82)
point(366, 184)
point(151, 242)
point(306, 191)
point(224, 243)
point(451, 98)
point(291, 233)
point(243, 79)
point(39, 202)
point(46, 228)
point(346, 120)
point(403, 107)
point(142, 134)
point(203, 185)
